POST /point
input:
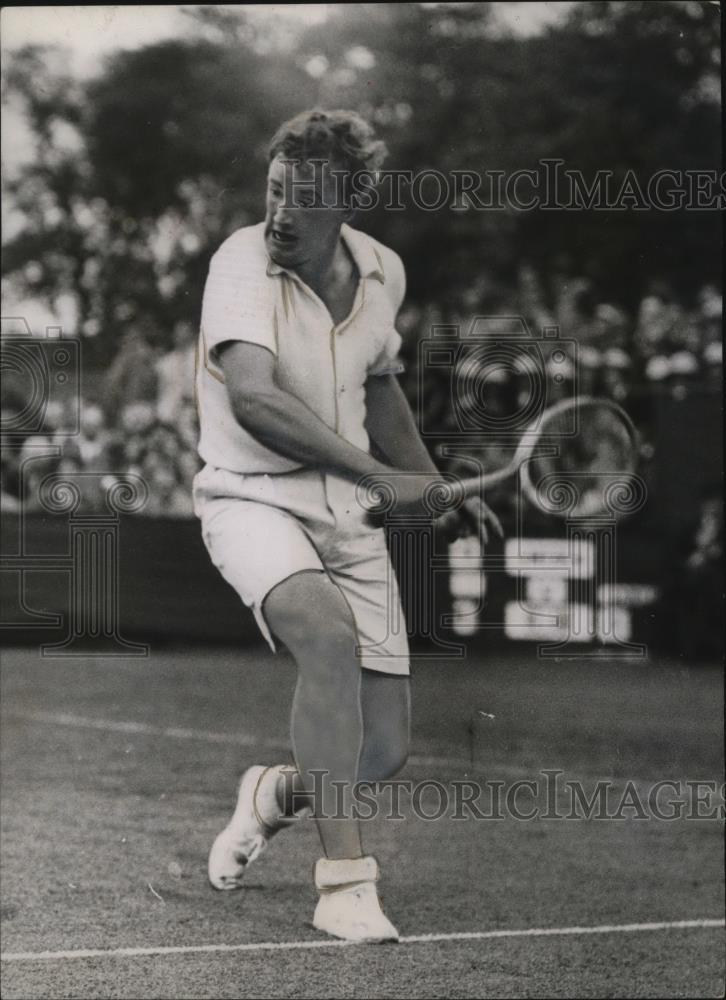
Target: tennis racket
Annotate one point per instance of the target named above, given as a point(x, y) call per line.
point(578, 459)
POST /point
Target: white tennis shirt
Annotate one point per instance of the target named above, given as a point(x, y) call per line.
point(248, 297)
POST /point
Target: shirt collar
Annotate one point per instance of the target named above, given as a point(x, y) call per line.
point(366, 257)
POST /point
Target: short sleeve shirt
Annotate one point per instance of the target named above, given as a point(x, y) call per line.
point(247, 297)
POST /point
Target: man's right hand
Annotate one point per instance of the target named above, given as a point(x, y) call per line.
point(414, 492)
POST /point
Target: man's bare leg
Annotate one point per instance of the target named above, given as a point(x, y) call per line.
point(311, 617)
point(386, 709)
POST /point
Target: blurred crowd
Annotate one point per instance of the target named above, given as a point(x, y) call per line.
point(609, 353)
point(540, 343)
point(141, 423)
point(141, 419)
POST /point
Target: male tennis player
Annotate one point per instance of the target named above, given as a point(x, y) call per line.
point(297, 373)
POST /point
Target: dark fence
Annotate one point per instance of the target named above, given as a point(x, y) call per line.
point(94, 584)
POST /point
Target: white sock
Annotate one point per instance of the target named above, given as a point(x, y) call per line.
point(266, 801)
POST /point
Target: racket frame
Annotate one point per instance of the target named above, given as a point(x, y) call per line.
point(532, 436)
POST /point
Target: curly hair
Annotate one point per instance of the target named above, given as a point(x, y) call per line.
point(343, 137)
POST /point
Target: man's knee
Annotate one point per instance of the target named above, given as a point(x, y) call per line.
point(311, 617)
point(326, 639)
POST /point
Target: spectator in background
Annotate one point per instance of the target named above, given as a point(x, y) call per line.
point(431, 384)
point(710, 305)
point(168, 495)
point(532, 301)
point(39, 456)
point(134, 425)
point(576, 316)
point(616, 367)
point(560, 278)
point(573, 297)
point(175, 374)
point(710, 308)
point(92, 488)
point(657, 317)
point(92, 442)
point(681, 346)
point(55, 421)
point(132, 377)
point(38, 459)
point(697, 593)
point(675, 347)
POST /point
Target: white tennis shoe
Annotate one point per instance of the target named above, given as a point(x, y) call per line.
point(349, 907)
point(255, 821)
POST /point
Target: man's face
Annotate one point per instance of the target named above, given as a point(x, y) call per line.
point(304, 212)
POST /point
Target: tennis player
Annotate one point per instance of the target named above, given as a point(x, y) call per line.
point(298, 357)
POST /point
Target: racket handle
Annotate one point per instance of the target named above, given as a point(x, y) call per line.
point(459, 489)
point(473, 487)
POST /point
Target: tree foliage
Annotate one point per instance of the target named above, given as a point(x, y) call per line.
point(139, 174)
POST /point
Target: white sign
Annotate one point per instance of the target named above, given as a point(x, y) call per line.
point(546, 625)
point(553, 556)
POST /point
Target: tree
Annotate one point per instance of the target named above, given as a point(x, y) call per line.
point(168, 157)
point(137, 177)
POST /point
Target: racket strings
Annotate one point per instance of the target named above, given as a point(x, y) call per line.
point(588, 449)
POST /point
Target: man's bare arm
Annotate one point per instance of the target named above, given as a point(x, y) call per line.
point(281, 421)
point(391, 424)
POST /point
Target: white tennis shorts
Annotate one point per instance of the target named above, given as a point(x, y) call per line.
point(261, 529)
